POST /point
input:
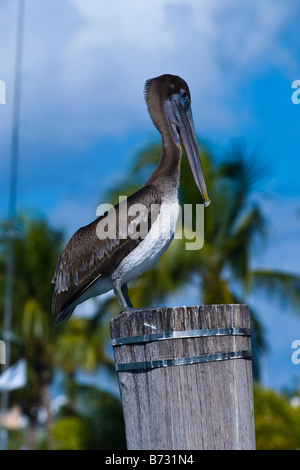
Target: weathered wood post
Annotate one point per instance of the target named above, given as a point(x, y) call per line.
point(185, 377)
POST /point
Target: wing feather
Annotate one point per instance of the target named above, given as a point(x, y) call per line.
point(88, 255)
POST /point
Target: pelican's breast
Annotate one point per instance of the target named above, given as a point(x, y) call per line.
point(154, 244)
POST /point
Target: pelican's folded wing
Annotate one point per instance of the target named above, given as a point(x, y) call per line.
point(96, 249)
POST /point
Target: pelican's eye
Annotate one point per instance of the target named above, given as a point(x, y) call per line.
point(185, 99)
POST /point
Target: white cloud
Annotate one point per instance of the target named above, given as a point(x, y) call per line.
point(85, 63)
point(123, 22)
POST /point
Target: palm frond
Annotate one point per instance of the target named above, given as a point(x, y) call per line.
point(281, 286)
point(245, 238)
point(238, 175)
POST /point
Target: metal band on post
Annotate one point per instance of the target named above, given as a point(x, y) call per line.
point(147, 338)
point(180, 334)
point(181, 361)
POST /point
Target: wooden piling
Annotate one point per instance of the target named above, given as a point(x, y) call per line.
point(185, 377)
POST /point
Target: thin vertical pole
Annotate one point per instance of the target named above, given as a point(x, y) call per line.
point(8, 301)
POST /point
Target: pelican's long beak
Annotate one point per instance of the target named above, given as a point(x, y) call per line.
point(179, 113)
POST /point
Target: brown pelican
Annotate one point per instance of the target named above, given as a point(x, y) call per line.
point(93, 263)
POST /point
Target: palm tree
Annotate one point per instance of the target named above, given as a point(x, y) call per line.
point(36, 251)
point(91, 418)
point(234, 228)
point(80, 343)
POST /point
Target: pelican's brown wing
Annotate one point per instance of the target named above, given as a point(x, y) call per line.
point(88, 255)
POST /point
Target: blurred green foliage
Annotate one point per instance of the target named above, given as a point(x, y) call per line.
point(96, 422)
point(72, 433)
point(277, 422)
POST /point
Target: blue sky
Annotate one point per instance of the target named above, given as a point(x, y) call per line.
point(83, 113)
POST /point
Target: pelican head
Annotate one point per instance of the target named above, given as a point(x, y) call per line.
point(169, 104)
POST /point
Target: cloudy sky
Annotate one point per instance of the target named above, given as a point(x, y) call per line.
point(83, 115)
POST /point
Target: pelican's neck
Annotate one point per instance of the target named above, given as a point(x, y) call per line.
point(167, 173)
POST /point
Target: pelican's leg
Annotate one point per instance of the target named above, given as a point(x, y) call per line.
point(126, 295)
point(121, 292)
